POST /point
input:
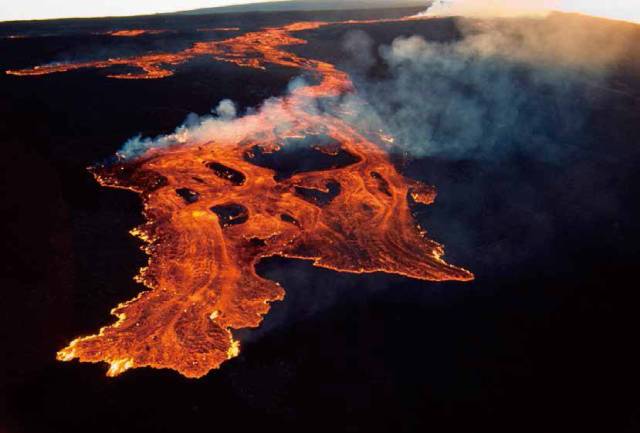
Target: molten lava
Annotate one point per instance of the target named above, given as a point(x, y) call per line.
point(216, 207)
point(255, 50)
point(132, 33)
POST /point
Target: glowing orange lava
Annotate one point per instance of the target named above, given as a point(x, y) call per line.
point(214, 209)
point(255, 49)
point(134, 32)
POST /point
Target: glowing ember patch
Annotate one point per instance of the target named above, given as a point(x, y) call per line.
point(66, 354)
point(234, 350)
point(213, 213)
point(119, 366)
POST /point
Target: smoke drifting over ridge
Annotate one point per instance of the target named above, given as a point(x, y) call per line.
point(504, 87)
point(626, 10)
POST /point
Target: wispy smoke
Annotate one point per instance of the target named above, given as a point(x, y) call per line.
point(626, 10)
point(226, 110)
point(490, 8)
point(223, 125)
point(504, 87)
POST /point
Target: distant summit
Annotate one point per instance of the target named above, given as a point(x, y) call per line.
point(307, 5)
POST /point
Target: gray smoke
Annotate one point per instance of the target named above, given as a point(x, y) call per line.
point(506, 86)
point(223, 124)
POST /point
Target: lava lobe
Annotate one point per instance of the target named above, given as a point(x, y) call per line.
point(213, 210)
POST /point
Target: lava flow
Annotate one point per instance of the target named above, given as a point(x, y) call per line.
point(132, 33)
point(216, 206)
point(255, 49)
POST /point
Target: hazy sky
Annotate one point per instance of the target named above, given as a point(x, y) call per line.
point(39, 9)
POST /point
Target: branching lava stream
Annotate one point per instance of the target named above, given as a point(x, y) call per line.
point(216, 207)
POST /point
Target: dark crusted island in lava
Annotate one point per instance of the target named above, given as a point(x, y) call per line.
point(216, 207)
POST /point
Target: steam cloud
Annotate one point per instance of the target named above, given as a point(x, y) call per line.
point(504, 87)
point(223, 124)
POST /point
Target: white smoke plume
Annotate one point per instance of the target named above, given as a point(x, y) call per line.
point(490, 8)
point(625, 10)
point(224, 125)
point(502, 86)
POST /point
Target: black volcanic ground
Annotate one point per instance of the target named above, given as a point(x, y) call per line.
point(544, 338)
